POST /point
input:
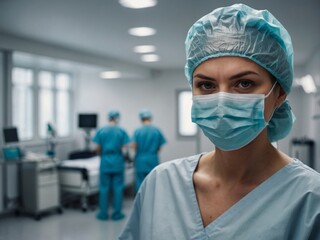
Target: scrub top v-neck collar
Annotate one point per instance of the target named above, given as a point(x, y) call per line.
point(229, 214)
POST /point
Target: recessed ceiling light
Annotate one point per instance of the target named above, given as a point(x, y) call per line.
point(110, 74)
point(136, 4)
point(142, 31)
point(150, 58)
point(144, 49)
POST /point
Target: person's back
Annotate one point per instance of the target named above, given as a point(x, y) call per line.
point(150, 139)
point(147, 141)
point(110, 140)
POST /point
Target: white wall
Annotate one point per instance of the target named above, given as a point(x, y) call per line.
point(1, 125)
point(300, 103)
point(313, 68)
point(129, 96)
point(2, 92)
point(306, 107)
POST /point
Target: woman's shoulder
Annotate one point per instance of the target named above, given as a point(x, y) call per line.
point(306, 175)
point(174, 169)
point(179, 163)
point(169, 177)
point(298, 165)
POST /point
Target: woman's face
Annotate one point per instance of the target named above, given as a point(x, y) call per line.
point(236, 75)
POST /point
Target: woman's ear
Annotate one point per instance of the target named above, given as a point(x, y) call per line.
point(281, 97)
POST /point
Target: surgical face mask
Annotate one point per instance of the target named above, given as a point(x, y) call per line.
point(230, 120)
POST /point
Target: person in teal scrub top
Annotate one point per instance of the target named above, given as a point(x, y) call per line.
point(147, 141)
point(110, 141)
point(240, 68)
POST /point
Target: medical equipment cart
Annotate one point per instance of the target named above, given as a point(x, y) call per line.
point(40, 187)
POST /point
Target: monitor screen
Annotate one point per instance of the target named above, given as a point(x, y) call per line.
point(10, 135)
point(87, 120)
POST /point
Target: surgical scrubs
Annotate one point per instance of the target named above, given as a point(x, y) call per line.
point(284, 207)
point(111, 140)
point(149, 139)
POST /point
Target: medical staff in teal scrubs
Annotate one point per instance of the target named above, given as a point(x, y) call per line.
point(110, 141)
point(147, 141)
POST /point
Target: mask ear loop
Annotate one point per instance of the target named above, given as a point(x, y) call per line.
point(271, 90)
point(268, 96)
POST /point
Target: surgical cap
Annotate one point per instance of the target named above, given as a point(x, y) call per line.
point(239, 30)
point(114, 114)
point(242, 31)
point(145, 114)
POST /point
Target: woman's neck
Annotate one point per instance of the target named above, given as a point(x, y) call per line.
point(251, 164)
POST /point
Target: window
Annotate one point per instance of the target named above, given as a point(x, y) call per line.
point(46, 107)
point(22, 102)
point(63, 102)
point(45, 95)
point(186, 128)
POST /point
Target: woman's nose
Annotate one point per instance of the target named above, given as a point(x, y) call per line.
point(224, 88)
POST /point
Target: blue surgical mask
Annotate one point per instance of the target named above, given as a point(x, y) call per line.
point(230, 120)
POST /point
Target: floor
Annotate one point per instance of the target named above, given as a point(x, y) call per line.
point(71, 224)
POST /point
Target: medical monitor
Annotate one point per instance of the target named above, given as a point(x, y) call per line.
point(10, 135)
point(86, 120)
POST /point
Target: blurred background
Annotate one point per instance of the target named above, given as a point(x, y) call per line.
point(60, 60)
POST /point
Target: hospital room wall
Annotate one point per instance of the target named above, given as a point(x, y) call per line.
point(129, 96)
point(313, 68)
point(1, 124)
point(306, 108)
point(300, 102)
point(1, 93)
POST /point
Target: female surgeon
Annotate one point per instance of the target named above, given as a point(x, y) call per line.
point(240, 67)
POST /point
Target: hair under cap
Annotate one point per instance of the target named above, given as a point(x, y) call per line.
point(240, 30)
point(114, 114)
point(145, 114)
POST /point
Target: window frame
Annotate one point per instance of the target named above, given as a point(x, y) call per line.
point(33, 99)
point(179, 134)
point(36, 90)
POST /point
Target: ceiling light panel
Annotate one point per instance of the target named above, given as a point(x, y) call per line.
point(136, 4)
point(144, 49)
point(110, 74)
point(150, 58)
point(142, 31)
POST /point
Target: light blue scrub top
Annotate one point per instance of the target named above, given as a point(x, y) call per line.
point(149, 139)
point(111, 139)
point(284, 207)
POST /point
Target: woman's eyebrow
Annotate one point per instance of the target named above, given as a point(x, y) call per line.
point(236, 76)
point(242, 74)
point(199, 75)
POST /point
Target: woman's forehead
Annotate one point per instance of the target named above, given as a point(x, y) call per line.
point(229, 66)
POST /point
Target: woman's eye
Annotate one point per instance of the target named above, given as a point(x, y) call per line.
point(245, 84)
point(206, 85)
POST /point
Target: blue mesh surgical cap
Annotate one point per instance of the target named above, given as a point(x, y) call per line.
point(114, 114)
point(242, 31)
point(145, 114)
point(239, 30)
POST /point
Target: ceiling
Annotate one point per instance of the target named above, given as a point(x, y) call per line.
point(100, 27)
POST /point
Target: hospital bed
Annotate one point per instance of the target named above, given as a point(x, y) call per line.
point(80, 177)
